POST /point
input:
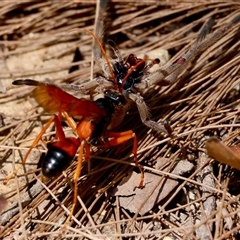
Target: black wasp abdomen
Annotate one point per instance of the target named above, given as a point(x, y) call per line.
point(59, 156)
point(55, 161)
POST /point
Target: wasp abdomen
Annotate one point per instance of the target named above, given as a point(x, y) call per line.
point(55, 161)
point(59, 156)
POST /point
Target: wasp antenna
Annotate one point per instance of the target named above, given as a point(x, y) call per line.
point(105, 56)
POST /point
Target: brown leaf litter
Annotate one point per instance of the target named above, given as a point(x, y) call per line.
point(37, 42)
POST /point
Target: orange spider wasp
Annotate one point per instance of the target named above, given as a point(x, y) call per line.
point(96, 119)
point(124, 82)
point(92, 128)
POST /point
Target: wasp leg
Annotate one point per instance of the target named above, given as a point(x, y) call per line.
point(121, 137)
point(34, 144)
point(84, 146)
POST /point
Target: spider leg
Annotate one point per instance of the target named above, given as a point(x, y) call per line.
point(98, 85)
point(98, 28)
point(168, 74)
point(145, 115)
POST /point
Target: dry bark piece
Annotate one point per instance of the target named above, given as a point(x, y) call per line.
point(155, 190)
point(26, 199)
point(194, 104)
point(3, 203)
point(222, 153)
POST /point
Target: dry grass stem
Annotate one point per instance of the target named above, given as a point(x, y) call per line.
point(38, 40)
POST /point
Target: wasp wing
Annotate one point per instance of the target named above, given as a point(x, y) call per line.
point(53, 99)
